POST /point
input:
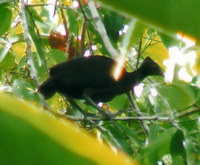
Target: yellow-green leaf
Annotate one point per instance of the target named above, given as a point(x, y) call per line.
point(30, 135)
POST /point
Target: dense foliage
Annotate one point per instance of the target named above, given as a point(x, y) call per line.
point(159, 125)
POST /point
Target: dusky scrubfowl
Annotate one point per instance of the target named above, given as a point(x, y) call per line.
point(93, 77)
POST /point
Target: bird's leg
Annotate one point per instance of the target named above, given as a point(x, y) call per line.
point(75, 105)
point(137, 111)
point(101, 111)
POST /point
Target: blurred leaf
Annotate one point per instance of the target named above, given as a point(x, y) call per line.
point(190, 149)
point(113, 23)
point(19, 49)
point(118, 139)
point(155, 131)
point(35, 14)
point(132, 37)
point(168, 41)
point(72, 18)
point(4, 50)
point(197, 63)
point(156, 50)
point(119, 102)
point(35, 38)
point(55, 56)
point(8, 62)
point(179, 95)
point(47, 140)
point(131, 133)
point(5, 18)
point(154, 152)
point(24, 89)
point(177, 149)
point(6, 1)
point(172, 17)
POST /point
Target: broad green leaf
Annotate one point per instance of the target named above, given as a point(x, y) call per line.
point(179, 95)
point(55, 56)
point(33, 136)
point(5, 19)
point(157, 148)
point(119, 102)
point(170, 16)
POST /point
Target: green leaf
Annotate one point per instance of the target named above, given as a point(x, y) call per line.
point(118, 139)
point(33, 136)
point(179, 95)
point(177, 149)
point(168, 41)
point(55, 56)
point(28, 145)
point(171, 16)
point(5, 19)
point(72, 18)
point(36, 39)
point(113, 23)
point(8, 62)
point(131, 133)
point(24, 89)
point(4, 50)
point(154, 152)
point(119, 102)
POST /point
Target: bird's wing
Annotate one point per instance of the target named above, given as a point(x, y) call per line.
point(95, 71)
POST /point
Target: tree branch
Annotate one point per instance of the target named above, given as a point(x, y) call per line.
point(138, 118)
point(30, 61)
point(101, 29)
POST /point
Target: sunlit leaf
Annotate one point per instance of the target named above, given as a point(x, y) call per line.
point(157, 51)
point(19, 50)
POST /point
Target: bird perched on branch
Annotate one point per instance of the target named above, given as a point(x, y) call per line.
point(93, 77)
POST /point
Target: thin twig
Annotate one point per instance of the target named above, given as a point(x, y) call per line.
point(101, 29)
point(139, 53)
point(136, 109)
point(189, 113)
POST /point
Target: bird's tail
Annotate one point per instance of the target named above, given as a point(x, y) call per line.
point(48, 88)
point(149, 67)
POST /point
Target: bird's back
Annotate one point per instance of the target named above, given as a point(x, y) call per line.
point(91, 76)
point(85, 70)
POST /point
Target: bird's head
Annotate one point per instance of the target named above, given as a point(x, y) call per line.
point(151, 68)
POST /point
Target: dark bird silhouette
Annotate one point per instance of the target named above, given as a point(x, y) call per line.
point(93, 77)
